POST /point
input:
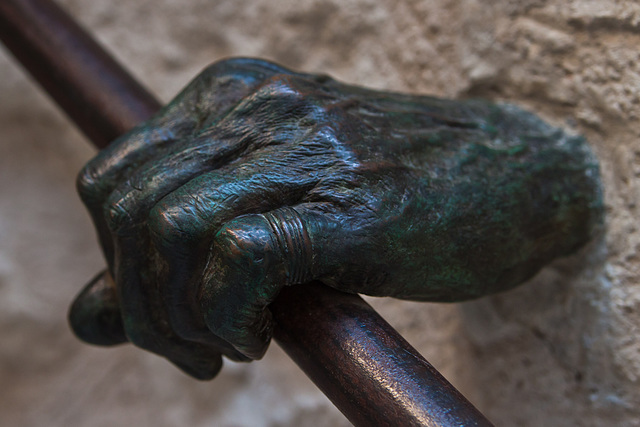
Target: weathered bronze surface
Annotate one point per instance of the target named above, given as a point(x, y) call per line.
point(256, 177)
point(106, 101)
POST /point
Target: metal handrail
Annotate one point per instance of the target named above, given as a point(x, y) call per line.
point(356, 358)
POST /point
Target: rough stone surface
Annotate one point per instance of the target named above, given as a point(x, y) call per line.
point(562, 350)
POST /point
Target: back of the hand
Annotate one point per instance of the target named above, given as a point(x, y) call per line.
point(256, 177)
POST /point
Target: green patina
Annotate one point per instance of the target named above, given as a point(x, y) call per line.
point(256, 177)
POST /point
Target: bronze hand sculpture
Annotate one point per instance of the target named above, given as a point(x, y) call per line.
point(256, 177)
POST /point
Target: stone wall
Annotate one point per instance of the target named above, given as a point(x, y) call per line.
point(562, 350)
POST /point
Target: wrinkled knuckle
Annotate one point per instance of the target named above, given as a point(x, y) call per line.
point(245, 243)
point(171, 224)
point(88, 183)
point(280, 93)
point(223, 71)
point(274, 106)
point(163, 223)
point(118, 212)
point(285, 87)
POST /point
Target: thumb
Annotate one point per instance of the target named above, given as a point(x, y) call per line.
point(95, 314)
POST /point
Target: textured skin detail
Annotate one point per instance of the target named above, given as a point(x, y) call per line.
point(256, 177)
point(294, 241)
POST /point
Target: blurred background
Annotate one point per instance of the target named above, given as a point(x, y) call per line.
point(562, 350)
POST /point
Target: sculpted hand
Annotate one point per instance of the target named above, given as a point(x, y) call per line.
point(256, 177)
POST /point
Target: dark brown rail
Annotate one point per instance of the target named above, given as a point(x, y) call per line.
point(364, 365)
point(96, 92)
point(360, 362)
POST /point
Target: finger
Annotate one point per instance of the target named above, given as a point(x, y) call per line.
point(252, 258)
point(142, 304)
point(127, 206)
point(144, 316)
point(138, 269)
point(125, 217)
point(279, 108)
point(182, 227)
point(210, 95)
point(102, 174)
point(223, 84)
point(277, 113)
point(95, 315)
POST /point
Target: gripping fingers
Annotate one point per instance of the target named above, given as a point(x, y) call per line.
point(252, 258)
point(209, 96)
point(183, 224)
point(144, 315)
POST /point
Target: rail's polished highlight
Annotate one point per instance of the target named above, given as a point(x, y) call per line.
point(362, 364)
